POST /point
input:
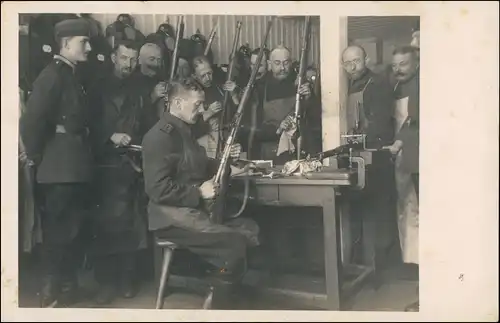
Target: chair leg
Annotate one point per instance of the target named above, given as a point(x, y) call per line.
point(167, 258)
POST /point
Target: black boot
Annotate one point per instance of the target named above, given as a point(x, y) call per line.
point(128, 278)
point(69, 293)
point(128, 285)
point(106, 294)
point(49, 292)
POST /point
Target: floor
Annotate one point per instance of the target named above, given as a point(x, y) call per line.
point(397, 290)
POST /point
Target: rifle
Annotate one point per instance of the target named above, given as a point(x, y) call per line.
point(179, 31)
point(232, 62)
point(178, 35)
point(210, 40)
point(216, 206)
point(302, 71)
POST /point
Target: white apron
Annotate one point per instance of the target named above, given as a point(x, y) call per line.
point(211, 140)
point(407, 205)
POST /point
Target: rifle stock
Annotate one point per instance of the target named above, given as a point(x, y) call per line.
point(217, 206)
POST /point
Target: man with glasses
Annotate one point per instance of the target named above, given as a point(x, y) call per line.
point(370, 111)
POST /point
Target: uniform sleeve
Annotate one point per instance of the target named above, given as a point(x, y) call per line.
point(40, 110)
point(160, 163)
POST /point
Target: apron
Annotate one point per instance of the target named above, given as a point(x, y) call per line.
point(355, 116)
point(275, 112)
point(211, 140)
point(407, 204)
point(355, 111)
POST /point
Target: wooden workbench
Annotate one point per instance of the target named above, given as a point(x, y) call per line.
point(302, 192)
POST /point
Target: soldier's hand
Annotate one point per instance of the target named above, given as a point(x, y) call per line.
point(208, 190)
point(305, 90)
point(235, 151)
point(229, 86)
point(121, 139)
point(159, 91)
point(212, 110)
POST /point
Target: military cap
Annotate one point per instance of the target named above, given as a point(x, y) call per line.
point(166, 29)
point(72, 28)
point(245, 50)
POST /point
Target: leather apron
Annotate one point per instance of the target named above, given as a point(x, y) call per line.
point(407, 204)
point(275, 112)
point(211, 140)
point(355, 117)
point(355, 109)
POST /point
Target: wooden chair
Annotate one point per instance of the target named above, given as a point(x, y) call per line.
point(167, 250)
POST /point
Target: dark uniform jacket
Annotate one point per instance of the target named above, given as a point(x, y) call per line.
point(378, 105)
point(55, 126)
point(119, 221)
point(118, 108)
point(410, 131)
point(174, 165)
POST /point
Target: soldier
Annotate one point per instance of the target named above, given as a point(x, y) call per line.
point(177, 174)
point(369, 111)
point(274, 102)
point(214, 97)
point(150, 82)
point(119, 226)
point(406, 68)
point(54, 130)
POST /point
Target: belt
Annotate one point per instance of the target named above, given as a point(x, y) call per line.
point(62, 129)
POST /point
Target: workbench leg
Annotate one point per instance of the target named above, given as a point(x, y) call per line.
point(369, 250)
point(331, 252)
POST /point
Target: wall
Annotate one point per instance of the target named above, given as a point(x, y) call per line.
point(286, 31)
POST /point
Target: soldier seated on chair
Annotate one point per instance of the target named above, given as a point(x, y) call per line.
point(178, 179)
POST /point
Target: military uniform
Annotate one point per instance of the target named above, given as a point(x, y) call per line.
point(55, 132)
point(174, 167)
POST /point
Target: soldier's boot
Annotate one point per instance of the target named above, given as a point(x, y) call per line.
point(224, 285)
point(69, 293)
point(128, 278)
point(49, 292)
point(106, 294)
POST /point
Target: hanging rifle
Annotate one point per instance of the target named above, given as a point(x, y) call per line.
point(230, 72)
point(175, 56)
point(302, 71)
point(210, 40)
point(179, 31)
point(216, 206)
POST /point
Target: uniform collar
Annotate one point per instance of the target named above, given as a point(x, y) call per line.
point(177, 123)
point(65, 60)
